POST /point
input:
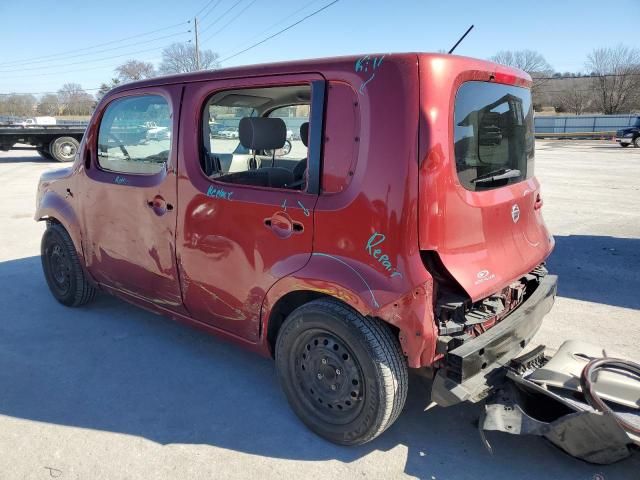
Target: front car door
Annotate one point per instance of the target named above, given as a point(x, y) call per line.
point(129, 195)
point(243, 219)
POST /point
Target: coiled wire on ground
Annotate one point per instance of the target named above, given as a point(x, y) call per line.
point(587, 379)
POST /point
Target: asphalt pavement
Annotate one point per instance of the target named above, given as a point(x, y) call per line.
point(110, 391)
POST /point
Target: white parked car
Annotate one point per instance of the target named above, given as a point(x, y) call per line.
point(154, 132)
point(229, 133)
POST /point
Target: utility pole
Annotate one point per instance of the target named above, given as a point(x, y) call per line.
point(195, 24)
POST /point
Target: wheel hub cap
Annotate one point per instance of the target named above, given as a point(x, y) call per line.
point(67, 150)
point(330, 377)
point(60, 268)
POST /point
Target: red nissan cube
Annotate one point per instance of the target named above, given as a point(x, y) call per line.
point(352, 217)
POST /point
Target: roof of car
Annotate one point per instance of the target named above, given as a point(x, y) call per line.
point(292, 67)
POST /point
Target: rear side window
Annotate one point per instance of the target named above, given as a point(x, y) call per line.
point(493, 135)
point(135, 135)
point(258, 136)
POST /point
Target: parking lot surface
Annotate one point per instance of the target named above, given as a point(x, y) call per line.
point(111, 391)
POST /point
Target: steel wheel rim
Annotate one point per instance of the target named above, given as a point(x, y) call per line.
point(67, 150)
point(328, 376)
point(59, 268)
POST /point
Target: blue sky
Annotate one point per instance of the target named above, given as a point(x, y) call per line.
point(36, 32)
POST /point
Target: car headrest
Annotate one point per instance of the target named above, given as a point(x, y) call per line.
point(262, 133)
point(304, 133)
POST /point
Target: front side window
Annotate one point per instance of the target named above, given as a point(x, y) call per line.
point(135, 135)
point(257, 136)
point(493, 135)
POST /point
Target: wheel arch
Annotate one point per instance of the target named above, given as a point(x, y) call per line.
point(53, 208)
point(281, 310)
point(407, 310)
point(287, 303)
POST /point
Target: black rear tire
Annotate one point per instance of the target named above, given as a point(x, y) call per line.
point(64, 149)
point(624, 145)
point(343, 374)
point(62, 269)
point(44, 153)
point(636, 142)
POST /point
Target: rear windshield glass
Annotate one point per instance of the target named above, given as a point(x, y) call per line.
point(493, 135)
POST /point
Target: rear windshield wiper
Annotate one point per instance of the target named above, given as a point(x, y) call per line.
point(500, 174)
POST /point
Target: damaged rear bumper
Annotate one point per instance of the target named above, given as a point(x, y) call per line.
point(474, 368)
point(541, 397)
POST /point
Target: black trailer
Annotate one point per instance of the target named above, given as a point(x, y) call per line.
point(54, 142)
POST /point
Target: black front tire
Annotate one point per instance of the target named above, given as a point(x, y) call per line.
point(344, 375)
point(624, 145)
point(62, 269)
point(636, 142)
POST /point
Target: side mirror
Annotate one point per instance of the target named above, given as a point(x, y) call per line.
point(285, 150)
point(280, 152)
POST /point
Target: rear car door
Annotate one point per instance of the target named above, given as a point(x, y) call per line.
point(129, 195)
point(242, 221)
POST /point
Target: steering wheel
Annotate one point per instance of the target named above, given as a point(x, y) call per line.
point(121, 146)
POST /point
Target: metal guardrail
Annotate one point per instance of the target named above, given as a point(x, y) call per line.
point(581, 125)
point(587, 135)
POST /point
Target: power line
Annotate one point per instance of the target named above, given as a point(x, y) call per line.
point(315, 12)
point(279, 32)
point(205, 7)
point(60, 72)
point(230, 21)
point(83, 62)
point(221, 16)
point(31, 59)
point(211, 10)
point(282, 20)
point(95, 52)
point(43, 93)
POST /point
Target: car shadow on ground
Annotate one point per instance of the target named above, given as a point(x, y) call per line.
point(571, 144)
point(30, 156)
point(113, 367)
point(630, 148)
point(598, 269)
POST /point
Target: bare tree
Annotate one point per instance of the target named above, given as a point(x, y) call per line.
point(74, 100)
point(574, 100)
point(48, 105)
point(616, 81)
point(528, 60)
point(181, 58)
point(133, 70)
point(17, 104)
